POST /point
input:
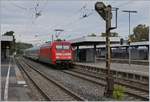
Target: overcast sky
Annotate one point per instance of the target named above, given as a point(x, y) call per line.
point(19, 16)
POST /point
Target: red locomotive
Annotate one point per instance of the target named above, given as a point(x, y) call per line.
point(56, 53)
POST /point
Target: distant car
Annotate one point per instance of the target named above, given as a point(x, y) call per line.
point(56, 53)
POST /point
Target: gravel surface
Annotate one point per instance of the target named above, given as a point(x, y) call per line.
point(53, 91)
point(86, 89)
point(36, 95)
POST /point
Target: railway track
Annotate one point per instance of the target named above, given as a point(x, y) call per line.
point(129, 83)
point(122, 74)
point(97, 70)
point(132, 89)
point(51, 89)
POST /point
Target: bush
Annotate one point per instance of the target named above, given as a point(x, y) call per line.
point(118, 92)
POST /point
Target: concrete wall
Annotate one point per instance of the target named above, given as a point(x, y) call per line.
point(140, 54)
point(90, 55)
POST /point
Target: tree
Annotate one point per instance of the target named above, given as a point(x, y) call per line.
point(92, 35)
point(140, 33)
point(12, 47)
point(112, 34)
point(20, 46)
point(58, 40)
point(10, 33)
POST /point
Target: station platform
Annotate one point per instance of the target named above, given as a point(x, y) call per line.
point(136, 69)
point(13, 85)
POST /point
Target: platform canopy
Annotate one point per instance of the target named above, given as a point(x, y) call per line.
point(97, 40)
point(6, 41)
point(6, 38)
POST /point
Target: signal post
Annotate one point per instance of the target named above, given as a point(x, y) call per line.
point(106, 13)
point(109, 88)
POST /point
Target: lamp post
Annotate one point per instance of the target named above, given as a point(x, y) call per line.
point(129, 12)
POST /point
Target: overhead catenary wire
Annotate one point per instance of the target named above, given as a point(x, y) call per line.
point(70, 23)
point(34, 10)
point(85, 15)
point(27, 9)
point(20, 7)
point(92, 10)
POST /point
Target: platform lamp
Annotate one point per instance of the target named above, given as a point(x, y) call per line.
point(129, 40)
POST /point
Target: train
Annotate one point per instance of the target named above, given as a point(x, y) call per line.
point(58, 53)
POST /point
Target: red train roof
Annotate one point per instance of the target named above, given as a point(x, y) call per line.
point(54, 43)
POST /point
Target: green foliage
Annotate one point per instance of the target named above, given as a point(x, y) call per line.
point(10, 33)
point(22, 46)
point(92, 35)
point(58, 40)
point(118, 92)
point(140, 33)
point(112, 34)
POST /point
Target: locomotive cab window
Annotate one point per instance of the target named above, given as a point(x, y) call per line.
point(62, 47)
point(59, 47)
point(66, 47)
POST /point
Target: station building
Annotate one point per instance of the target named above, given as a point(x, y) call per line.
point(92, 49)
point(6, 45)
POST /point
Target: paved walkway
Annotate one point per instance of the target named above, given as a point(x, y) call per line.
point(138, 69)
point(13, 86)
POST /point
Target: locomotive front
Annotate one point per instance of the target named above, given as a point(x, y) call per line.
point(63, 54)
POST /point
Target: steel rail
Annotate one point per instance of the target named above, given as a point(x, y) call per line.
point(94, 69)
point(129, 90)
point(79, 98)
point(28, 75)
point(119, 82)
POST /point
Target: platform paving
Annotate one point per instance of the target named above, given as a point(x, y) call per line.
point(17, 88)
point(136, 69)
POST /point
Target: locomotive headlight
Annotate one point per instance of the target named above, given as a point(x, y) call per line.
point(57, 57)
point(58, 54)
point(68, 54)
point(65, 54)
point(69, 57)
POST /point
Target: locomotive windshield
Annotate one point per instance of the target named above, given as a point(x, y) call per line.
point(59, 47)
point(62, 47)
point(66, 47)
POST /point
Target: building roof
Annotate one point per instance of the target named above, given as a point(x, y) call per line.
point(6, 38)
point(89, 40)
point(140, 44)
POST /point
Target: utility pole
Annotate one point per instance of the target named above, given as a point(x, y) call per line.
point(57, 34)
point(52, 38)
point(129, 40)
point(106, 13)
